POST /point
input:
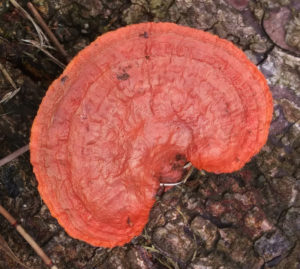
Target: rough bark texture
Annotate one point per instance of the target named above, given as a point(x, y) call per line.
point(248, 219)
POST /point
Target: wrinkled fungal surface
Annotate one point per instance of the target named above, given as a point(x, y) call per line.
point(129, 111)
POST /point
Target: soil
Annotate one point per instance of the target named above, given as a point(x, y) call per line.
point(248, 219)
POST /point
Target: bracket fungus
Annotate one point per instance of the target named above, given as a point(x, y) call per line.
point(129, 111)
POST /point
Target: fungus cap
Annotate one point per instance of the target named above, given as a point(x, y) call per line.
point(128, 112)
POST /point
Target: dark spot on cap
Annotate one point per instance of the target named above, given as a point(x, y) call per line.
point(147, 57)
point(123, 76)
point(179, 157)
point(129, 222)
point(144, 35)
point(64, 79)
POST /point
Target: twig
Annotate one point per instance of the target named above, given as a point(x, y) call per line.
point(181, 181)
point(189, 164)
point(10, 94)
point(14, 155)
point(43, 40)
point(188, 174)
point(37, 45)
point(42, 37)
point(50, 34)
point(8, 77)
point(152, 249)
point(27, 237)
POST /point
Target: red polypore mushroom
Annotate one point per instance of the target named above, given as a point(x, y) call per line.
point(129, 111)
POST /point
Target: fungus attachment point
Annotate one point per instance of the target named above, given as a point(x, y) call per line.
point(129, 112)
